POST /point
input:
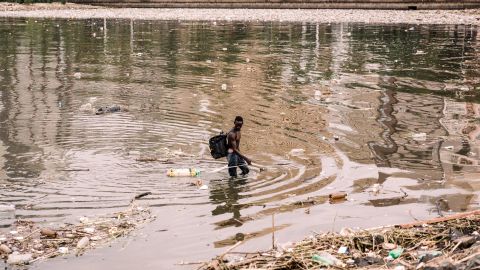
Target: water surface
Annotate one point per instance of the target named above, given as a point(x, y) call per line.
point(388, 113)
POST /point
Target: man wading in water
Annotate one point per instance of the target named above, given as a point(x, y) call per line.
point(235, 158)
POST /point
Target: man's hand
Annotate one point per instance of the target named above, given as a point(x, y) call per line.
point(249, 162)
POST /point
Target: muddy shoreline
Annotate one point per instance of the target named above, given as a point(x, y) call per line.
point(74, 11)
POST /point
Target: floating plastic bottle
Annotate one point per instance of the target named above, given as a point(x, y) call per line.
point(192, 172)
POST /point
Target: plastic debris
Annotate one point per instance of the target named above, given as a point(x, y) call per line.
point(86, 107)
point(5, 249)
point(35, 240)
point(420, 136)
point(450, 147)
point(89, 230)
point(346, 232)
point(77, 75)
point(297, 151)
point(203, 187)
point(395, 253)
point(327, 259)
point(19, 259)
point(425, 256)
point(224, 87)
point(83, 219)
point(83, 243)
point(192, 172)
point(342, 250)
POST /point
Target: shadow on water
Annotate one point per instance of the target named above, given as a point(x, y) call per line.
point(387, 113)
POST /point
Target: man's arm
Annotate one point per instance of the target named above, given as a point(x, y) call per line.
point(233, 143)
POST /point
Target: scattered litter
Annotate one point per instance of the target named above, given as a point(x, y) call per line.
point(395, 253)
point(297, 152)
point(42, 245)
point(89, 230)
point(192, 172)
point(420, 136)
point(108, 109)
point(225, 49)
point(203, 187)
point(224, 87)
point(5, 249)
point(83, 243)
point(86, 107)
point(83, 219)
point(342, 250)
point(13, 232)
point(19, 259)
point(327, 259)
point(450, 147)
point(47, 232)
point(389, 246)
point(346, 232)
point(77, 75)
point(147, 159)
point(209, 61)
point(247, 60)
point(370, 249)
point(337, 196)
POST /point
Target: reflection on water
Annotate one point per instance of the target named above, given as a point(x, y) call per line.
point(328, 108)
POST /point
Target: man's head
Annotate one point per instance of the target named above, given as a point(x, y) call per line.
point(238, 122)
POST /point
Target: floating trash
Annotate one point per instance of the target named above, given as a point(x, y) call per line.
point(192, 172)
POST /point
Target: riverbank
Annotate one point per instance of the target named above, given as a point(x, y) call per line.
point(73, 11)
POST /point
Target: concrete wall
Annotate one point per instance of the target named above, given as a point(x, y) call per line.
point(311, 4)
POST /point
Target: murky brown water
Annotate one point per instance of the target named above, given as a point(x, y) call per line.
point(402, 100)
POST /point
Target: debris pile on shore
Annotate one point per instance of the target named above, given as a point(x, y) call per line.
point(443, 243)
point(30, 242)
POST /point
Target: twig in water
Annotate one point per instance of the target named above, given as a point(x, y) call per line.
point(230, 249)
point(141, 195)
point(410, 213)
point(74, 170)
point(437, 205)
point(273, 231)
point(189, 263)
point(334, 219)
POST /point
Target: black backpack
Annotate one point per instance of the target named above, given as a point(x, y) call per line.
point(218, 146)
